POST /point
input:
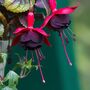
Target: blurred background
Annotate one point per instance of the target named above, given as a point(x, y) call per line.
point(81, 28)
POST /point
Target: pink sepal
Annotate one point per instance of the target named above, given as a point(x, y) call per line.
point(30, 19)
point(41, 31)
point(52, 4)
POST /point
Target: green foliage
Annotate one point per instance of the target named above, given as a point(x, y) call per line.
point(12, 81)
point(1, 29)
point(9, 88)
point(12, 78)
point(26, 67)
point(3, 57)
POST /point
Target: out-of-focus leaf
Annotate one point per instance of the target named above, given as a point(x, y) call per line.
point(9, 88)
point(3, 19)
point(1, 30)
point(6, 88)
point(3, 47)
point(12, 78)
point(16, 6)
point(3, 58)
point(3, 24)
point(1, 1)
point(1, 86)
point(33, 2)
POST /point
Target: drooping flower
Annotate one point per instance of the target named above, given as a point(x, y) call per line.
point(31, 38)
point(59, 20)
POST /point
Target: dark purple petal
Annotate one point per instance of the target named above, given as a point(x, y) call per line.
point(31, 40)
point(34, 45)
point(59, 21)
point(31, 45)
point(33, 36)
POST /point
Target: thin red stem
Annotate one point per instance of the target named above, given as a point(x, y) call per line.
point(43, 80)
point(65, 49)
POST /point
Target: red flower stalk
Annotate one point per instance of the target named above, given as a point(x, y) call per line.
point(31, 38)
point(59, 20)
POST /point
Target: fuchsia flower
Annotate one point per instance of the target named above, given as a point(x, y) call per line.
point(31, 38)
point(59, 20)
point(31, 30)
point(55, 11)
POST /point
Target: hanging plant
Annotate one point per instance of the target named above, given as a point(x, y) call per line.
point(58, 21)
point(17, 20)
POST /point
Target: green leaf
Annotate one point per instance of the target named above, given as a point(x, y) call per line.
point(29, 65)
point(1, 86)
point(8, 88)
point(3, 57)
point(1, 29)
point(33, 2)
point(12, 78)
point(18, 65)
